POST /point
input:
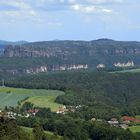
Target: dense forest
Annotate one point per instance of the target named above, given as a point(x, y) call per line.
point(11, 131)
point(102, 94)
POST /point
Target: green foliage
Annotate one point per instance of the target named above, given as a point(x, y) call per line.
point(108, 93)
point(26, 106)
point(10, 131)
point(135, 128)
point(92, 53)
point(38, 133)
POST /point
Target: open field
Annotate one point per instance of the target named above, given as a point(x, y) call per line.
point(49, 134)
point(124, 71)
point(39, 97)
point(135, 128)
point(138, 117)
point(44, 101)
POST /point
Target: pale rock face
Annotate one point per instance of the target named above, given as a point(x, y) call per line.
point(73, 67)
point(128, 64)
point(69, 67)
point(100, 66)
point(37, 70)
point(62, 68)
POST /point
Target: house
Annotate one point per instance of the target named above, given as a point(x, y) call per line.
point(126, 122)
point(93, 119)
point(130, 119)
point(113, 122)
point(124, 126)
point(32, 112)
point(64, 107)
point(60, 111)
point(11, 114)
point(7, 116)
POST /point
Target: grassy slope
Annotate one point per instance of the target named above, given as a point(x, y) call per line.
point(48, 133)
point(44, 101)
point(138, 116)
point(124, 71)
point(135, 129)
point(40, 97)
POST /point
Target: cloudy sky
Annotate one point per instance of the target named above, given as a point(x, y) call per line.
point(35, 20)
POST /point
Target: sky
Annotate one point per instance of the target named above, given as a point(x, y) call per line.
point(40, 20)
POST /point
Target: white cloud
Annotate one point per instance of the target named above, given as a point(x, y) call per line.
point(90, 9)
point(104, 1)
point(18, 10)
point(15, 4)
point(76, 7)
point(37, 10)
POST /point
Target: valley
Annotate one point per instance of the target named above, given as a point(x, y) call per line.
point(58, 89)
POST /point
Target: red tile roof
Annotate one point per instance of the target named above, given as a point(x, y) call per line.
point(127, 118)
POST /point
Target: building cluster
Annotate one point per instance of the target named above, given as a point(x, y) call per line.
point(30, 112)
point(61, 110)
point(7, 115)
point(124, 122)
point(64, 109)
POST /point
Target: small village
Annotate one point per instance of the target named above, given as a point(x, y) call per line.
point(124, 122)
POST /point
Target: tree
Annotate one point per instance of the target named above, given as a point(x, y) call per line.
point(38, 132)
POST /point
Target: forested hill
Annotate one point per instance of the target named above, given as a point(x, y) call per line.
point(4, 44)
point(66, 55)
point(102, 51)
point(117, 90)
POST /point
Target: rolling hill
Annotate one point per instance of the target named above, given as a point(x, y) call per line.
point(117, 91)
point(40, 98)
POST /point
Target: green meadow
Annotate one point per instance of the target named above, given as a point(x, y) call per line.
point(49, 134)
point(138, 117)
point(39, 97)
point(135, 128)
point(129, 71)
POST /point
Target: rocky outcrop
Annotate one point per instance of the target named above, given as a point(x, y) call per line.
point(128, 64)
point(62, 49)
point(69, 55)
point(70, 67)
point(100, 66)
point(26, 70)
point(36, 70)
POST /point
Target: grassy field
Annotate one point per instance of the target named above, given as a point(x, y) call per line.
point(39, 97)
point(135, 128)
point(124, 71)
point(44, 101)
point(49, 134)
point(138, 117)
